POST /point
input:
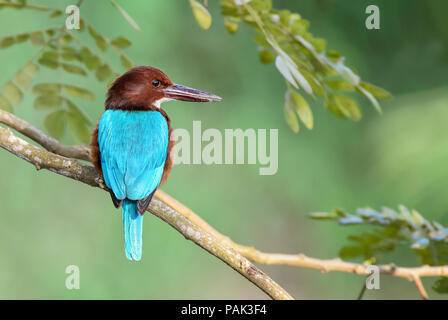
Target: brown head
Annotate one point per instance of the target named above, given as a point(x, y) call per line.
point(144, 87)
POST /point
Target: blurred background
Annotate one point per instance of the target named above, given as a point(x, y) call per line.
point(48, 222)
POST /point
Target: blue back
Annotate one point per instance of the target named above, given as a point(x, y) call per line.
point(133, 147)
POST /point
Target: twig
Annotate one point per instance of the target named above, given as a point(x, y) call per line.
point(70, 168)
point(363, 290)
point(420, 287)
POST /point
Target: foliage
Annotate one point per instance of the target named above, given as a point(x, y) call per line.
point(63, 52)
point(304, 61)
point(427, 239)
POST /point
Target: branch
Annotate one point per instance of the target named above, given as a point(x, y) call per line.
point(49, 143)
point(170, 205)
point(70, 168)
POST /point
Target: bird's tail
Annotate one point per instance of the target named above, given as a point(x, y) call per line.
point(133, 230)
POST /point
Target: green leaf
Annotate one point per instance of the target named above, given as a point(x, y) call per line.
point(266, 56)
point(22, 37)
point(78, 92)
point(103, 72)
point(31, 68)
point(340, 85)
point(47, 89)
point(121, 42)
point(349, 252)
point(73, 69)
point(370, 96)
point(348, 106)
point(90, 61)
point(303, 109)
point(290, 115)
point(201, 14)
point(37, 38)
point(12, 93)
point(231, 27)
point(78, 127)
point(125, 62)
point(100, 41)
point(125, 15)
point(377, 92)
point(55, 123)
point(6, 42)
point(22, 79)
point(441, 285)
point(323, 215)
point(5, 105)
point(48, 102)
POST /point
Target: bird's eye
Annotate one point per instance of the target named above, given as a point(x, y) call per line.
point(156, 83)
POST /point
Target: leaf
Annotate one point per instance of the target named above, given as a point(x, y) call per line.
point(22, 79)
point(100, 41)
point(349, 252)
point(348, 106)
point(231, 27)
point(303, 109)
point(47, 89)
point(6, 42)
point(323, 215)
point(73, 69)
point(377, 92)
point(37, 38)
point(201, 14)
point(78, 92)
point(12, 93)
point(289, 70)
point(22, 37)
point(290, 115)
point(121, 42)
point(78, 127)
point(266, 56)
point(103, 72)
point(125, 15)
point(75, 109)
point(90, 61)
point(370, 96)
point(31, 68)
point(342, 85)
point(441, 285)
point(5, 105)
point(55, 123)
point(125, 62)
point(47, 102)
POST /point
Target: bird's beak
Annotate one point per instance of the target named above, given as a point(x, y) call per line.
point(178, 92)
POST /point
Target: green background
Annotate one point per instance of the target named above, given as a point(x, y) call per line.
point(48, 222)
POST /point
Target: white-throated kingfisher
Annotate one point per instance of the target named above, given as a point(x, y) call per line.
point(131, 145)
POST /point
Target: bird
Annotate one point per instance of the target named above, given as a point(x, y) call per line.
point(132, 144)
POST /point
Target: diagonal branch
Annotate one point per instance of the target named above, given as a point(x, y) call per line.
point(77, 152)
point(165, 201)
point(70, 168)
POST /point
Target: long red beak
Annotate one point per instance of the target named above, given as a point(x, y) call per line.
point(179, 92)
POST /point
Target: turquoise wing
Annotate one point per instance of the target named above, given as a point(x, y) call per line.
point(133, 148)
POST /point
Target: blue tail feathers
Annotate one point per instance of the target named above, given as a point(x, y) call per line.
point(133, 230)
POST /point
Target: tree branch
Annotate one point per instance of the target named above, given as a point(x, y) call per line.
point(77, 152)
point(182, 218)
point(70, 168)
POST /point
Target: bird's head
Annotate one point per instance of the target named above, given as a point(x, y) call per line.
point(143, 88)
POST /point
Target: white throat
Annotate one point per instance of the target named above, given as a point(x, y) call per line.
point(157, 103)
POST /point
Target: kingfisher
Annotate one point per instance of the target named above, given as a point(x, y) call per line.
point(132, 144)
